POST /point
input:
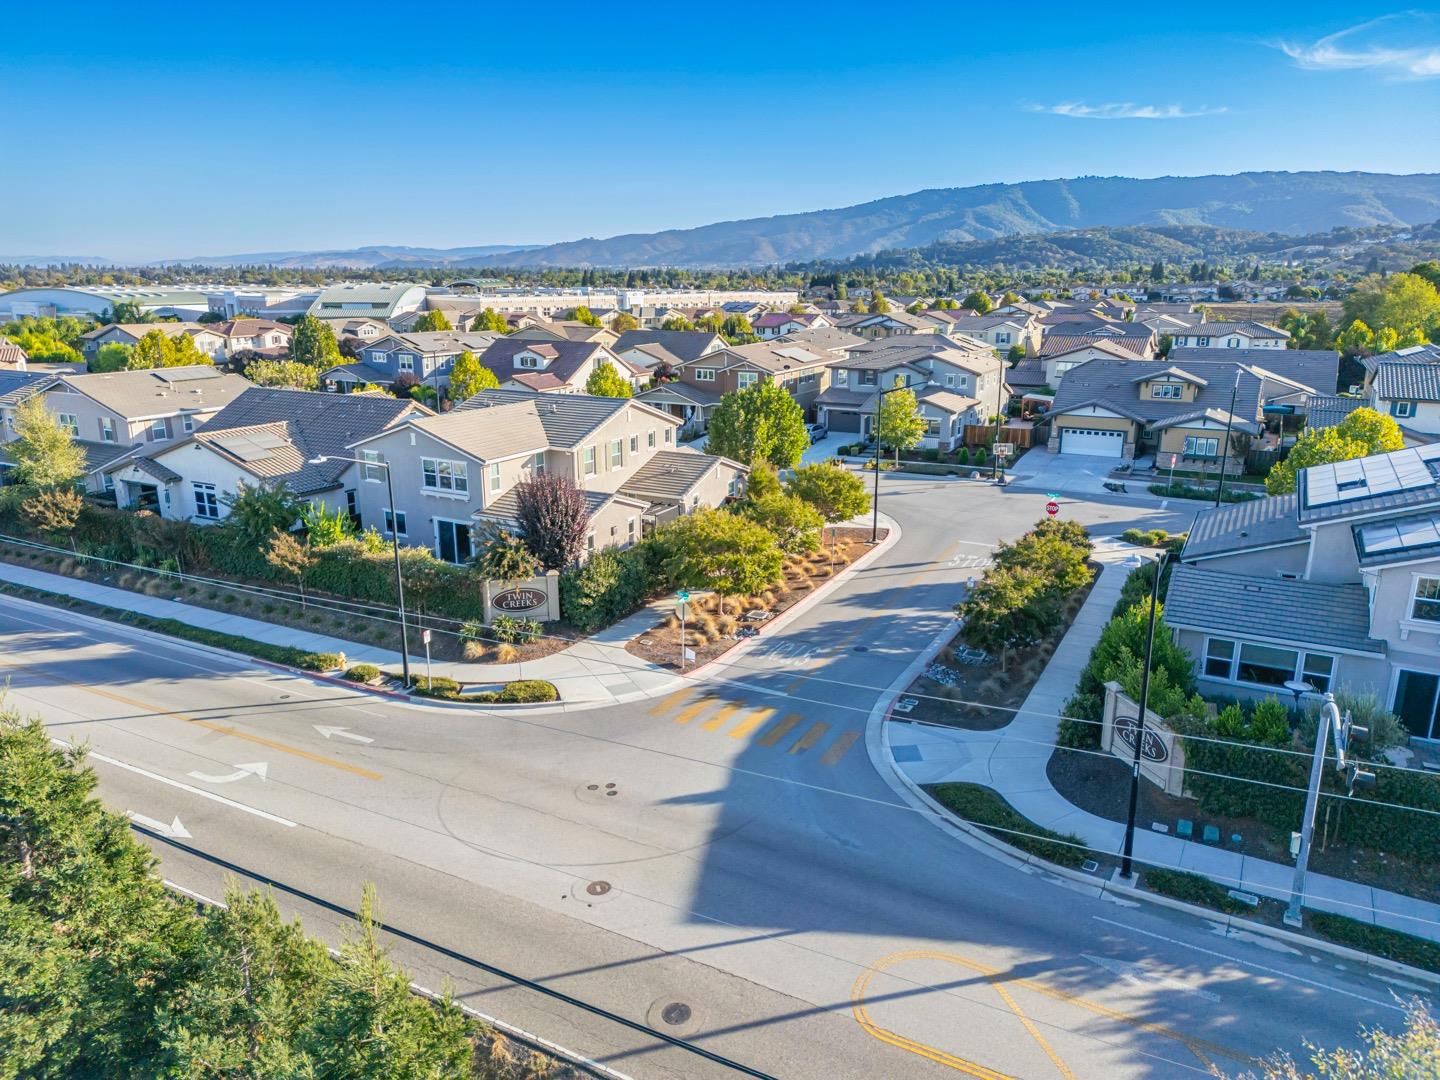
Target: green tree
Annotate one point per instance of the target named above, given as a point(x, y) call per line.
point(677, 322)
point(1430, 271)
point(837, 493)
point(127, 311)
point(1412, 1053)
point(760, 423)
point(1362, 433)
point(284, 373)
point(605, 381)
point(110, 357)
point(432, 321)
point(468, 377)
point(259, 511)
point(1009, 298)
point(583, 314)
point(738, 330)
point(764, 480)
point(503, 557)
point(44, 451)
point(1357, 339)
point(153, 350)
point(314, 343)
point(878, 304)
point(794, 523)
point(291, 558)
point(978, 302)
point(326, 527)
point(623, 322)
point(1405, 303)
point(712, 549)
point(491, 320)
point(900, 426)
point(184, 353)
point(1007, 609)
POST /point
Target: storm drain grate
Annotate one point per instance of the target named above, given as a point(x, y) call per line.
point(676, 1013)
point(598, 888)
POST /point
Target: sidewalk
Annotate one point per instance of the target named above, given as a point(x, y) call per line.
point(595, 670)
point(1012, 760)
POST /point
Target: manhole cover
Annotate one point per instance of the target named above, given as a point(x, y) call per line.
point(599, 888)
point(676, 1013)
point(862, 648)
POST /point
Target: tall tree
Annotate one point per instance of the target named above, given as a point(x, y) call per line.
point(623, 322)
point(900, 427)
point(760, 423)
point(285, 373)
point(491, 320)
point(793, 522)
point(153, 350)
point(605, 381)
point(552, 518)
point(1362, 433)
point(978, 302)
point(1405, 303)
point(112, 356)
point(184, 352)
point(432, 321)
point(583, 314)
point(44, 451)
point(314, 343)
point(712, 549)
point(468, 377)
point(836, 493)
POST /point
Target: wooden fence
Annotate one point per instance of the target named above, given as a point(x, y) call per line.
point(984, 434)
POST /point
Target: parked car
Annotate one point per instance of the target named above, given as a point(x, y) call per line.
point(817, 431)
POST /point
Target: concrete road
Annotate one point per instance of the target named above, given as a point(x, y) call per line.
point(724, 863)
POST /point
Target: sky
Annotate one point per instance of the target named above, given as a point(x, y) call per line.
point(162, 130)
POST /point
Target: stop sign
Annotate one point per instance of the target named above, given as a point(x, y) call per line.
point(1052, 508)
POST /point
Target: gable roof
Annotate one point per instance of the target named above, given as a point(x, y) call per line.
point(566, 419)
point(825, 338)
point(1402, 381)
point(137, 395)
point(1318, 369)
point(775, 356)
point(16, 386)
point(1244, 526)
point(1224, 329)
point(1055, 344)
point(567, 358)
point(1327, 410)
point(686, 344)
point(670, 475)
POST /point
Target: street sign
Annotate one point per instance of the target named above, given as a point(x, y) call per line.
point(1004, 449)
point(682, 595)
point(425, 636)
point(1052, 508)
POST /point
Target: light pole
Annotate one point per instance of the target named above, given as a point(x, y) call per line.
point(1129, 849)
point(997, 470)
point(1225, 454)
point(395, 546)
point(875, 499)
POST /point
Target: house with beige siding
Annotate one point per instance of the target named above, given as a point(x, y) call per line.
point(802, 370)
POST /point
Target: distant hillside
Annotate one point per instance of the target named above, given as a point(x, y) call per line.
point(378, 256)
point(1265, 202)
point(54, 260)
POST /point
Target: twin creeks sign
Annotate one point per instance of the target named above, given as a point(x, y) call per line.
point(538, 598)
point(1162, 755)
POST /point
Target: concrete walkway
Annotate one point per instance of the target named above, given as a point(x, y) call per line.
point(597, 669)
point(1012, 761)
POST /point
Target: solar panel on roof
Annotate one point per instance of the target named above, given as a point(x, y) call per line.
point(1378, 538)
point(193, 374)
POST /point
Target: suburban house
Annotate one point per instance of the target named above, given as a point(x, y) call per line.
point(887, 325)
point(266, 436)
point(773, 324)
point(1405, 384)
point(946, 415)
point(427, 356)
point(1335, 585)
point(11, 355)
point(1121, 409)
point(650, 348)
point(254, 335)
point(1228, 335)
point(1001, 332)
point(560, 367)
point(459, 470)
point(566, 331)
point(1034, 375)
point(950, 383)
point(1137, 339)
point(207, 339)
point(800, 369)
point(119, 413)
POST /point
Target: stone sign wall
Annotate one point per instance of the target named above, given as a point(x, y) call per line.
point(1162, 755)
point(538, 598)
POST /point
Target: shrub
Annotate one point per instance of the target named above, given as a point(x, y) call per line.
point(515, 630)
point(1193, 889)
point(983, 807)
point(1145, 537)
point(362, 673)
point(437, 687)
point(610, 585)
point(962, 457)
point(506, 654)
point(472, 650)
point(1391, 944)
point(475, 631)
point(1180, 490)
point(526, 691)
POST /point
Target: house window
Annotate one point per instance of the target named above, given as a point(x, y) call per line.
point(650, 440)
point(109, 482)
point(68, 420)
point(1318, 670)
point(630, 530)
point(841, 377)
point(746, 379)
point(1202, 342)
point(1404, 408)
point(867, 378)
point(537, 463)
point(158, 430)
point(107, 429)
point(438, 474)
point(669, 435)
point(634, 444)
point(704, 374)
point(494, 472)
point(407, 361)
point(1165, 390)
point(932, 428)
point(374, 473)
point(526, 360)
point(590, 542)
point(949, 380)
point(1233, 342)
point(1426, 606)
point(206, 505)
point(187, 421)
point(1002, 339)
point(589, 458)
point(1200, 446)
point(617, 453)
point(1266, 665)
point(395, 522)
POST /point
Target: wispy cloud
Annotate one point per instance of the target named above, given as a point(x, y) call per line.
point(1360, 47)
point(1125, 110)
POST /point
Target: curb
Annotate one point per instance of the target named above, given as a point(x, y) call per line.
point(877, 745)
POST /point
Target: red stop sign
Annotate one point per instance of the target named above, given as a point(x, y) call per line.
point(1052, 508)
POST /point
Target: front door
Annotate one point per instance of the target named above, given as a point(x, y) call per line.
point(1417, 703)
point(452, 541)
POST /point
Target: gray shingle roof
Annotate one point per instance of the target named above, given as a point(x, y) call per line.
point(1238, 605)
point(161, 392)
point(569, 357)
point(1402, 381)
point(565, 419)
point(1244, 526)
point(489, 432)
point(1057, 343)
point(1027, 373)
point(1249, 329)
point(670, 475)
point(826, 338)
point(693, 394)
point(686, 344)
point(100, 454)
point(151, 467)
point(1318, 369)
point(947, 400)
point(507, 505)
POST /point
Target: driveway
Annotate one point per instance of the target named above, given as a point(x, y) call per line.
point(1073, 474)
point(825, 449)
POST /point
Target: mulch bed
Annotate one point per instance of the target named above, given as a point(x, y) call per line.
point(709, 633)
point(982, 697)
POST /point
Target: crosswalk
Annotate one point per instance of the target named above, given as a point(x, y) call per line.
point(790, 734)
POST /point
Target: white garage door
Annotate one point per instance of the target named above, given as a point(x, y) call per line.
point(1091, 442)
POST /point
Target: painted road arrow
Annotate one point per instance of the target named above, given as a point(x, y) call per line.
point(1138, 975)
point(256, 768)
point(174, 830)
point(344, 733)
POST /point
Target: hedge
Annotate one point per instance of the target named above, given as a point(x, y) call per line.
point(1179, 490)
point(363, 673)
point(1194, 889)
point(983, 807)
point(1380, 940)
point(524, 691)
point(438, 687)
point(612, 583)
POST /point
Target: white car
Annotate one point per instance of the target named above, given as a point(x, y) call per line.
point(817, 431)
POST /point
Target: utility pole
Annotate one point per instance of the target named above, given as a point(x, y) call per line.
point(1126, 869)
point(875, 499)
point(1225, 454)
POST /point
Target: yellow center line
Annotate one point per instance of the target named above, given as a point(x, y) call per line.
point(722, 716)
point(1009, 1000)
point(930, 1053)
point(226, 729)
point(815, 733)
point(838, 747)
point(776, 733)
point(685, 715)
point(751, 722)
point(664, 705)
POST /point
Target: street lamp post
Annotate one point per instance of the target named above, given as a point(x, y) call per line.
point(875, 499)
point(1126, 870)
point(997, 470)
point(395, 547)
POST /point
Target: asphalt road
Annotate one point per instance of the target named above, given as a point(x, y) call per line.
point(729, 849)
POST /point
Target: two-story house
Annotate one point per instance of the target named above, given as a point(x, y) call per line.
point(266, 436)
point(1335, 585)
point(559, 367)
point(1115, 408)
point(459, 470)
point(950, 384)
point(1001, 332)
point(774, 324)
point(427, 356)
point(799, 369)
point(208, 340)
point(1033, 376)
point(1405, 384)
point(253, 335)
point(650, 348)
point(116, 414)
point(886, 325)
point(1231, 335)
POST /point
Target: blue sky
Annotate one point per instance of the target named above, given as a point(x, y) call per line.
point(160, 130)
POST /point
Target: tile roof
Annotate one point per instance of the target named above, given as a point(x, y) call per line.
point(826, 338)
point(670, 475)
point(1327, 410)
point(1238, 605)
point(16, 386)
point(1056, 343)
point(693, 394)
point(775, 356)
point(845, 399)
point(364, 372)
point(153, 468)
point(1315, 368)
point(688, 345)
point(1027, 373)
point(1112, 384)
point(1222, 329)
point(566, 357)
point(507, 506)
point(10, 353)
point(1242, 526)
point(161, 392)
point(100, 454)
point(1218, 416)
point(1405, 381)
